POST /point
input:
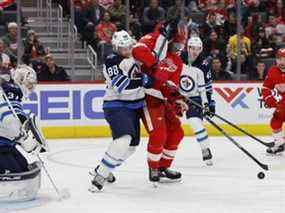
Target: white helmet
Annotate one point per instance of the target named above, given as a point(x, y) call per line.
point(26, 78)
point(195, 41)
point(122, 39)
point(194, 48)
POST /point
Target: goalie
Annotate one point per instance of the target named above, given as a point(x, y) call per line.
point(19, 180)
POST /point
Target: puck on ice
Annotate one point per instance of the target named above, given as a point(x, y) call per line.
point(261, 175)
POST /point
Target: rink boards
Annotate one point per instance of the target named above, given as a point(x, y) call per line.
point(74, 110)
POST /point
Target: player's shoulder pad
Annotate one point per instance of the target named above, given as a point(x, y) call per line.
point(113, 59)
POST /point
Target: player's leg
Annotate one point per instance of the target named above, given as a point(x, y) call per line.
point(278, 135)
point(195, 119)
point(121, 121)
point(175, 135)
point(155, 124)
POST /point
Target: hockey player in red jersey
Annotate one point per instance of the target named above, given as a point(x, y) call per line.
point(160, 114)
point(275, 82)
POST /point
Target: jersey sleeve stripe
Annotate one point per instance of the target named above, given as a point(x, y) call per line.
point(123, 85)
point(116, 80)
point(5, 114)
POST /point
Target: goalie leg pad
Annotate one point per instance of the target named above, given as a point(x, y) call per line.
point(19, 187)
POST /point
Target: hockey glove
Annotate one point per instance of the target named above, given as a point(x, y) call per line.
point(212, 108)
point(169, 29)
point(146, 80)
point(180, 107)
point(207, 111)
point(270, 102)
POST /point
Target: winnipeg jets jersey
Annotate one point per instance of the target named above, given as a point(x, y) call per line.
point(192, 83)
point(10, 127)
point(124, 88)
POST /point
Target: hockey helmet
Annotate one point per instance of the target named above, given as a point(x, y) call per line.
point(26, 78)
point(122, 39)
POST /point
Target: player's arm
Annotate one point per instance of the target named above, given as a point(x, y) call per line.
point(267, 87)
point(202, 86)
point(120, 82)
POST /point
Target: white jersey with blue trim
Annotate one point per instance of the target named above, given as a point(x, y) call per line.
point(10, 126)
point(192, 83)
point(122, 84)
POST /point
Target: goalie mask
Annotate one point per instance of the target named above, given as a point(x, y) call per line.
point(26, 78)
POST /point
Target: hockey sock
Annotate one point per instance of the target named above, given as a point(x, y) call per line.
point(200, 132)
point(115, 155)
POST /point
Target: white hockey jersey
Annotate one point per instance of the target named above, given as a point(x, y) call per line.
point(192, 83)
point(10, 126)
point(122, 84)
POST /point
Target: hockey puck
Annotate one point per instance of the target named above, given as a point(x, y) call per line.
point(261, 175)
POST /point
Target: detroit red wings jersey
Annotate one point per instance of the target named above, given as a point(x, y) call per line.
point(274, 81)
point(171, 67)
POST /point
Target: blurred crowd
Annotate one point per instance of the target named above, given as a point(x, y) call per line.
point(215, 21)
point(33, 51)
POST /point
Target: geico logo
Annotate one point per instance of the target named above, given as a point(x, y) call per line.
point(66, 104)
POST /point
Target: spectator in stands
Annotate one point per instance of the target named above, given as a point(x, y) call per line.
point(215, 45)
point(118, 14)
point(5, 59)
point(245, 45)
point(104, 32)
point(32, 46)
point(263, 47)
point(135, 27)
point(93, 14)
point(230, 25)
point(218, 71)
point(52, 72)
point(10, 41)
point(211, 24)
point(175, 11)
point(259, 72)
point(106, 3)
point(153, 14)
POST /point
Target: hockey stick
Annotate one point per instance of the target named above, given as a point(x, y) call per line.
point(263, 166)
point(271, 144)
point(65, 193)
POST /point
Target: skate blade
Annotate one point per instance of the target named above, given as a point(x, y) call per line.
point(279, 154)
point(154, 184)
point(167, 180)
point(209, 162)
point(94, 189)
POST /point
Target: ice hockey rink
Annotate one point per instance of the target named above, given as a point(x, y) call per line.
point(230, 186)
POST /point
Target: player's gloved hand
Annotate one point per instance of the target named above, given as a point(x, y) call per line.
point(270, 102)
point(169, 29)
point(170, 91)
point(146, 80)
point(212, 107)
point(207, 111)
point(180, 107)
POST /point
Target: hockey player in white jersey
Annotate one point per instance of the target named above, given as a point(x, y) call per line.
point(19, 180)
point(123, 104)
point(193, 86)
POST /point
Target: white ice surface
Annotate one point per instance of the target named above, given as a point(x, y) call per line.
point(230, 186)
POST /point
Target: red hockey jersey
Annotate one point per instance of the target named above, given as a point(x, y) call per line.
point(275, 80)
point(166, 68)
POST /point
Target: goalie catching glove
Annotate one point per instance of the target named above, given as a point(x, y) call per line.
point(32, 139)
